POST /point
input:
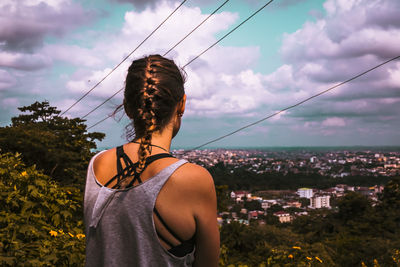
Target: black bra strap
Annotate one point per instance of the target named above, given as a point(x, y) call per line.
point(155, 157)
point(164, 239)
point(149, 160)
point(126, 159)
point(130, 167)
point(166, 226)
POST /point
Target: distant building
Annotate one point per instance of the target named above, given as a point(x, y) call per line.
point(283, 216)
point(313, 159)
point(318, 202)
point(305, 192)
point(240, 195)
point(294, 204)
point(255, 198)
point(265, 204)
point(254, 214)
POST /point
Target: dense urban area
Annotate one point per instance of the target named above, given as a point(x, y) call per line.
point(245, 205)
point(334, 163)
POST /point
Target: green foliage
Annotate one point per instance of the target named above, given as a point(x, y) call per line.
point(241, 179)
point(40, 221)
point(59, 146)
point(353, 206)
point(391, 194)
point(252, 205)
point(357, 234)
point(223, 197)
point(265, 245)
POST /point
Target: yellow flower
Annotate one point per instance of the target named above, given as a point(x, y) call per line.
point(61, 231)
point(79, 236)
point(24, 173)
point(70, 234)
point(318, 259)
point(53, 233)
point(290, 256)
point(69, 193)
point(297, 247)
point(308, 258)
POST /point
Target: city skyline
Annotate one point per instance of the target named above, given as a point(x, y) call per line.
point(57, 50)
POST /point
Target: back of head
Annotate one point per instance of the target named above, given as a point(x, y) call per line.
point(154, 87)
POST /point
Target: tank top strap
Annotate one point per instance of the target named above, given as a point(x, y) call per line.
point(153, 186)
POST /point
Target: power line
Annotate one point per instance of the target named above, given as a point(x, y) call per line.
point(180, 41)
point(219, 40)
point(295, 105)
point(215, 11)
point(123, 60)
point(223, 37)
point(100, 121)
point(102, 103)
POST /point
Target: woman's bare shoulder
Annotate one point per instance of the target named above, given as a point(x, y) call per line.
point(194, 178)
point(103, 163)
point(194, 171)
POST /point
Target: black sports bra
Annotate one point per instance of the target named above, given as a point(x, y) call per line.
point(185, 246)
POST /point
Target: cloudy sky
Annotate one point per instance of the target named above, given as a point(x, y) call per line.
point(56, 50)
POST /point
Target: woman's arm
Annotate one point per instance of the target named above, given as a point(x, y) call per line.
point(205, 214)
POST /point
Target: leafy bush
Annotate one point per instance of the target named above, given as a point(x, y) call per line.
point(59, 146)
point(40, 221)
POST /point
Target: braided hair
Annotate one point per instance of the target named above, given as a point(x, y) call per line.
point(153, 88)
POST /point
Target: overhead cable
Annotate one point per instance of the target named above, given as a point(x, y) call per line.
point(223, 37)
point(180, 41)
point(195, 28)
point(102, 103)
point(125, 58)
point(219, 40)
point(100, 121)
point(295, 105)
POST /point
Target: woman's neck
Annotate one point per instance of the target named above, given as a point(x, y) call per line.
point(161, 139)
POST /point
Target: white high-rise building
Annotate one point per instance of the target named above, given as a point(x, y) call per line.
point(305, 192)
point(313, 159)
point(318, 202)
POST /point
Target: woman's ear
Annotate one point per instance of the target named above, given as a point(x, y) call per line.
point(181, 105)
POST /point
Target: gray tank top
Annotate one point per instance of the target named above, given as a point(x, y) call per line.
point(119, 224)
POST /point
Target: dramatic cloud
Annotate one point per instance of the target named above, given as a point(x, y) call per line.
point(276, 4)
point(142, 4)
point(76, 55)
point(334, 121)
point(24, 24)
point(22, 61)
point(6, 80)
point(352, 37)
point(223, 88)
point(217, 84)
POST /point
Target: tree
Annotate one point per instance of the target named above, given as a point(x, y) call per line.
point(223, 197)
point(305, 202)
point(353, 206)
point(274, 208)
point(252, 205)
point(388, 215)
point(391, 194)
point(40, 221)
point(60, 146)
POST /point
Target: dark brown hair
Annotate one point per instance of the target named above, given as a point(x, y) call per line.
point(153, 88)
